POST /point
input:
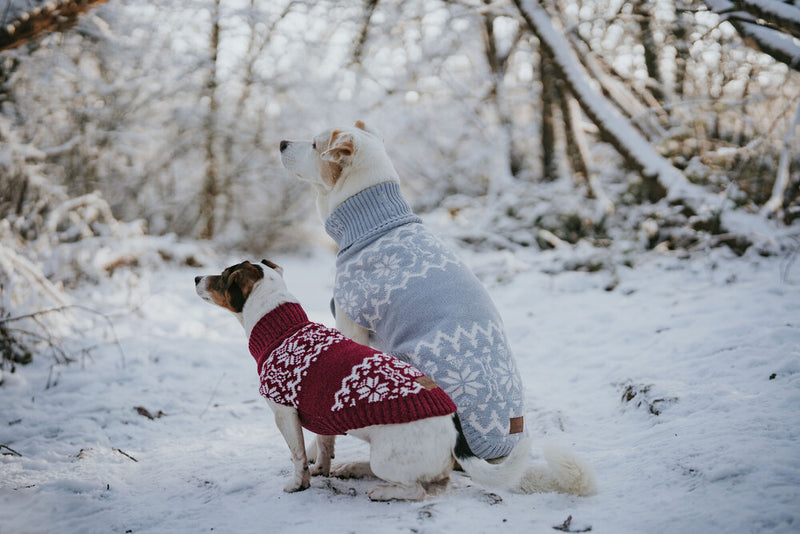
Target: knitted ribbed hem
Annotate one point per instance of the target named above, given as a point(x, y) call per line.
point(487, 448)
point(275, 326)
point(367, 213)
point(421, 405)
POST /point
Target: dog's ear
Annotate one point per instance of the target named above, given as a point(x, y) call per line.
point(240, 285)
point(362, 126)
point(273, 266)
point(340, 147)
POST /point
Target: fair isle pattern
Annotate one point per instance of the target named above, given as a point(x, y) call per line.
point(286, 366)
point(405, 253)
point(424, 306)
point(491, 376)
point(379, 377)
point(310, 367)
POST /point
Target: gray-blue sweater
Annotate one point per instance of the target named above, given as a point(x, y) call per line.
point(424, 305)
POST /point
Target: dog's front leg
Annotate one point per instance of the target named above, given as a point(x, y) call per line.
point(288, 422)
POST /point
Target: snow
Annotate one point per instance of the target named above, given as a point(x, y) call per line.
point(711, 343)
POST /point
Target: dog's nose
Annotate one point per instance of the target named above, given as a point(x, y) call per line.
point(197, 280)
point(284, 144)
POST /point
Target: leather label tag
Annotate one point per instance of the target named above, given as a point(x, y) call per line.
point(517, 425)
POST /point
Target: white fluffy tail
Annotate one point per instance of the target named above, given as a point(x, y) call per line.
point(507, 475)
point(564, 472)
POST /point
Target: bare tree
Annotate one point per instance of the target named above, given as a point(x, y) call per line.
point(211, 189)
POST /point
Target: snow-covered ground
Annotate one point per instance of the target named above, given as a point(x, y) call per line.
point(681, 386)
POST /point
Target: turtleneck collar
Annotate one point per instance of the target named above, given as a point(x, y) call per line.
point(274, 326)
point(368, 213)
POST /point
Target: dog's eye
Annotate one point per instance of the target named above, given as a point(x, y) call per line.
point(314, 145)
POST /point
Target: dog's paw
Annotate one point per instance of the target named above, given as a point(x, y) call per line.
point(300, 482)
point(295, 486)
point(321, 469)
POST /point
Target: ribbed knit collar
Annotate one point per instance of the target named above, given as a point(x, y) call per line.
point(368, 213)
point(274, 326)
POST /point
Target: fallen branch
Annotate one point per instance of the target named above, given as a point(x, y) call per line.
point(11, 452)
point(123, 453)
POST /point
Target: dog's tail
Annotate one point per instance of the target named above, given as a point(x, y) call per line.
point(507, 475)
point(563, 471)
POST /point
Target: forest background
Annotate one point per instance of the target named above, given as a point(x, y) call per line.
point(615, 126)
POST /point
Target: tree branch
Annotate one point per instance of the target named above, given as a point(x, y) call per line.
point(775, 42)
point(48, 18)
point(623, 136)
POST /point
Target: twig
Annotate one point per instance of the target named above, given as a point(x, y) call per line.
point(123, 453)
point(109, 322)
point(565, 526)
point(11, 452)
point(144, 412)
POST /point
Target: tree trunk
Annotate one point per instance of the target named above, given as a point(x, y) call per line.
point(641, 8)
point(498, 63)
point(210, 192)
point(549, 101)
point(680, 35)
point(358, 49)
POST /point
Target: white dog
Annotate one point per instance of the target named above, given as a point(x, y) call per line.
point(400, 288)
point(313, 376)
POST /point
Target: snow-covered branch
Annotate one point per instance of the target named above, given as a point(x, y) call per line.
point(31, 20)
point(778, 40)
point(623, 136)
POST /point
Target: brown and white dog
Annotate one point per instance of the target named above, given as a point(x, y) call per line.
point(410, 457)
point(345, 166)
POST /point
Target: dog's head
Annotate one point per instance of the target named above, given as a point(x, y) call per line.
point(232, 288)
point(333, 154)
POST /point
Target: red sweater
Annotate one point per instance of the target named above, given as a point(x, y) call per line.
point(336, 384)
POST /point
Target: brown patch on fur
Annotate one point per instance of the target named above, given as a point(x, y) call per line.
point(231, 289)
point(330, 172)
point(360, 124)
point(273, 266)
point(340, 145)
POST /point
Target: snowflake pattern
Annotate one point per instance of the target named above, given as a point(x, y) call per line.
point(460, 383)
point(490, 375)
point(408, 272)
point(286, 366)
point(378, 378)
point(405, 253)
